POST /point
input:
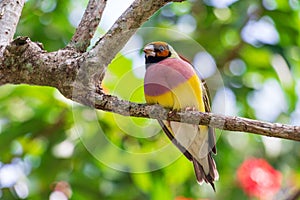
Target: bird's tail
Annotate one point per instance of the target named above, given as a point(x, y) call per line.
point(209, 177)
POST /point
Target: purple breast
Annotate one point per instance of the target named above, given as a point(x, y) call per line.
point(166, 75)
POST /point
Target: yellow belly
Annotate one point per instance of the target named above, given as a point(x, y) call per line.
point(193, 138)
point(187, 94)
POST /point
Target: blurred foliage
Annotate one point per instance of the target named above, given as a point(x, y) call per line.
point(254, 47)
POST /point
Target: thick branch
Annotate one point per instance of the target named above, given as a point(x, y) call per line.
point(126, 108)
point(10, 12)
point(26, 62)
point(118, 35)
point(88, 25)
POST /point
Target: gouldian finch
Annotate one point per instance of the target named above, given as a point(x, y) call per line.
point(172, 82)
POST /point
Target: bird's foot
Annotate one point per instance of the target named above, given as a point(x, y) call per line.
point(172, 113)
point(190, 109)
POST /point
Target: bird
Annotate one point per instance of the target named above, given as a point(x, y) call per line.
point(172, 82)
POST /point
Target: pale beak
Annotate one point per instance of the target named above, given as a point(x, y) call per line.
point(149, 50)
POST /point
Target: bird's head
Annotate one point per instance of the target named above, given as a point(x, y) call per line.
point(158, 51)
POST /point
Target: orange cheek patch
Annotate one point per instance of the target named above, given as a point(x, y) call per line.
point(164, 53)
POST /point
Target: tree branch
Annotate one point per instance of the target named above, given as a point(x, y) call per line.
point(88, 25)
point(10, 12)
point(26, 62)
point(70, 72)
point(126, 108)
point(115, 39)
point(56, 69)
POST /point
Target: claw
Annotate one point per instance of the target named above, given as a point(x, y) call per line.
point(190, 109)
point(172, 113)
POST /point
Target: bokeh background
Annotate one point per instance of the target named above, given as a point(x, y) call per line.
point(53, 148)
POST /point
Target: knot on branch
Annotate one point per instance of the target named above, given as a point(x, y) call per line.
point(20, 44)
point(20, 41)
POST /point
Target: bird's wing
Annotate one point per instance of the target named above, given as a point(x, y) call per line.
point(211, 131)
point(206, 101)
point(170, 135)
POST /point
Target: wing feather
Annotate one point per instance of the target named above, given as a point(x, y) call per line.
point(174, 141)
point(211, 131)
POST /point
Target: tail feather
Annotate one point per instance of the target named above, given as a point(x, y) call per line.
point(205, 169)
point(202, 176)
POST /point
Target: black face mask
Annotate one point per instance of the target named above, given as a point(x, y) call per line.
point(151, 59)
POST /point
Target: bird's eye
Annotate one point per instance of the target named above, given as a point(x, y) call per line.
point(161, 48)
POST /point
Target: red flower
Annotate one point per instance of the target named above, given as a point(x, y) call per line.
point(258, 178)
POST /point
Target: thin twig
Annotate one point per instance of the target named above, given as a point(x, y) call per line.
point(88, 25)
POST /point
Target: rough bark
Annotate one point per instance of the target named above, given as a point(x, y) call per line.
point(118, 35)
point(126, 108)
point(10, 12)
point(88, 25)
point(26, 62)
point(114, 40)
